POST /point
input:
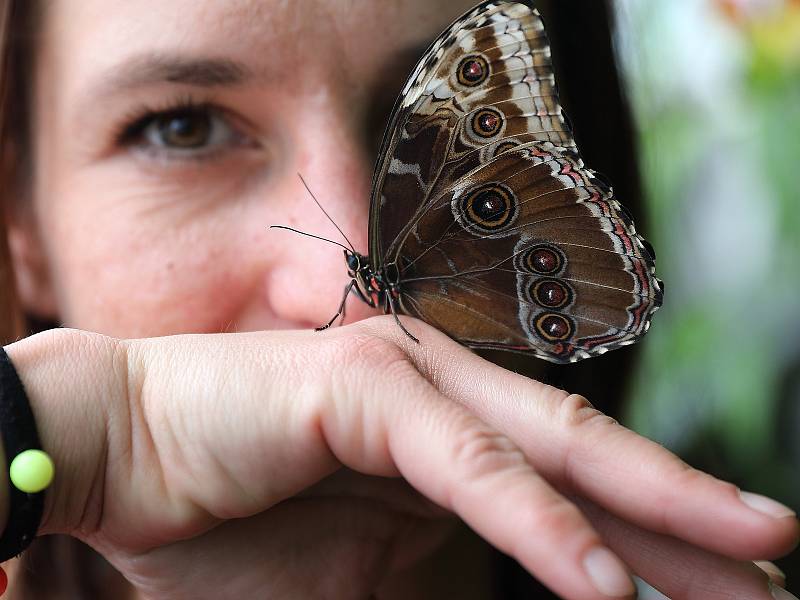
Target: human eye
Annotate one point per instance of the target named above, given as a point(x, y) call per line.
point(186, 131)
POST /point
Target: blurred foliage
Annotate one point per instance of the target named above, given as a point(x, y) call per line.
point(715, 86)
point(774, 81)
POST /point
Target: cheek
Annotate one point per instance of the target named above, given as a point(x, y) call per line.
point(131, 286)
point(136, 267)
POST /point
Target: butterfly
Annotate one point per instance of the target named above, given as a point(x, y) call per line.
point(484, 221)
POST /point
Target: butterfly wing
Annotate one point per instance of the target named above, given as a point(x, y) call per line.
point(502, 237)
point(531, 252)
point(495, 60)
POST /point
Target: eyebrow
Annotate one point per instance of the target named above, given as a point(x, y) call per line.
point(157, 68)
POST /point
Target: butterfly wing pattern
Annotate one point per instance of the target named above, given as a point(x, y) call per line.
point(502, 238)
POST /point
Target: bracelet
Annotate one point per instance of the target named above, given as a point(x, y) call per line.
point(30, 471)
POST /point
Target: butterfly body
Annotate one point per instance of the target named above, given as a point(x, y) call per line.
point(373, 287)
point(484, 221)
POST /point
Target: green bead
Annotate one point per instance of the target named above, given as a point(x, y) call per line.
point(31, 471)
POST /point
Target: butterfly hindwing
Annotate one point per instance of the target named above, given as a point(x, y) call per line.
point(501, 237)
point(534, 228)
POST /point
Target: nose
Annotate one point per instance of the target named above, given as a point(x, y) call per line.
point(306, 282)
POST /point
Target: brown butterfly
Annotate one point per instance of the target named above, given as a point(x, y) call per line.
point(484, 221)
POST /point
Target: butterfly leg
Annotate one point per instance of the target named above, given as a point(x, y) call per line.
point(390, 301)
point(340, 312)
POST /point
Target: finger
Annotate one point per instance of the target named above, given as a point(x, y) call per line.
point(269, 415)
point(677, 569)
point(580, 450)
point(476, 472)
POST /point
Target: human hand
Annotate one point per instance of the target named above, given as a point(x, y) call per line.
point(259, 465)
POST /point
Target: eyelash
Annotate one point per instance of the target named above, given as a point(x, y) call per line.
point(131, 133)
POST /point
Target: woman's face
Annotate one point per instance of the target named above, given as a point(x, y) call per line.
point(168, 136)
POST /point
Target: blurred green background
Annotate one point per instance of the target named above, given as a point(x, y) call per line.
point(715, 89)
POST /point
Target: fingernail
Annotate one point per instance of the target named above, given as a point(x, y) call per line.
point(766, 506)
point(779, 593)
point(608, 573)
point(771, 569)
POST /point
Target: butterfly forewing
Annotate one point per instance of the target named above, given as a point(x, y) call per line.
point(502, 238)
point(497, 57)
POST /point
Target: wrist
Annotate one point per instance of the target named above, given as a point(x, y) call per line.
point(68, 376)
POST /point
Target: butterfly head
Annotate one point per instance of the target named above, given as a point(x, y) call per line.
point(359, 269)
point(369, 285)
point(355, 262)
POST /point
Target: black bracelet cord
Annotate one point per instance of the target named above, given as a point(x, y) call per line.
point(18, 430)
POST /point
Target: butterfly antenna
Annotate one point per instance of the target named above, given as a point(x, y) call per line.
point(311, 235)
point(326, 213)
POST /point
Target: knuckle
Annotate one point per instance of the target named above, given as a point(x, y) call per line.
point(583, 428)
point(381, 326)
point(368, 351)
point(557, 517)
point(576, 412)
point(481, 452)
point(369, 369)
point(355, 366)
point(386, 327)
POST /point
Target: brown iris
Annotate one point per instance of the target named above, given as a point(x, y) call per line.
point(487, 122)
point(553, 327)
point(490, 207)
point(473, 70)
point(185, 129)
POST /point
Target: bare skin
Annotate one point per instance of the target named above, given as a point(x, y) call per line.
point(181, 434)
point(340, 455)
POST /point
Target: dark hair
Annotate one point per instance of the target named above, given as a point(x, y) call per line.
point(10, 317)
point(54, 567)
point(581, 36)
